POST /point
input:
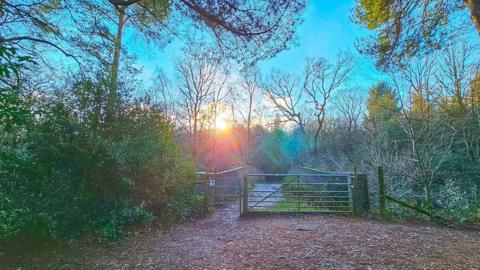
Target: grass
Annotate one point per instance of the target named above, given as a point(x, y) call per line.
point(291, 204)
point(299, 203)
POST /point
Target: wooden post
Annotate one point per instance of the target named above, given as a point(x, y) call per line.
point(244, 208)
point(367, 196)
point(381, 192)
point(355, 191)
point(207, 189)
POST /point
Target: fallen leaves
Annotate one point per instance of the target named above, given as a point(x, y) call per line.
point(225, 241)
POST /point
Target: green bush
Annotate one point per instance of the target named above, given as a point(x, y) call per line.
point(67, 170)
point(182, 206)
point(459, 205)
point(271, 155)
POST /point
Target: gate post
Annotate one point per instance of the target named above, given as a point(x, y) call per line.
point(360, 196)
point(363, 200)
point(355, 191)
point(381, 192)
point(244, 208)
point(207, 189)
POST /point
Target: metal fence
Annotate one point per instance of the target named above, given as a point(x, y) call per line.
point(224, 188)
point(319, 193)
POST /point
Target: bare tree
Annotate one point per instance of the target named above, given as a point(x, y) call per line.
point(245, 105)
point(458, 81)
point(202, 78)
point(321, 79)
point(218, 97)
point(95, 29)
point(351, 109)
point(286, 94)
point(162, 93)
point(430, 144)
point(454, 74)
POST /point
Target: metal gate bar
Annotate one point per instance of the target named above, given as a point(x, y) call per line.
point(323, 192)
point(225, 195)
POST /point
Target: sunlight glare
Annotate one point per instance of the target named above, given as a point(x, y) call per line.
point(221, 123)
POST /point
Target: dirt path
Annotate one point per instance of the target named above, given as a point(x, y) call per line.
point(224, 241)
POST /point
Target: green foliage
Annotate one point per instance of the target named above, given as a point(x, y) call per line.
point(404, 29)
point(373, 13)
point(10, 62)
point(420, 104)
point(382, 105)
point(271, 155)
point(434, 163)
point(110, 225)
point(13, 110)
point(475, 90)
point(151, 11)
point(291, 204)
point(182, 206)
point(458, 204)
point(65, 171)
point(296, 145)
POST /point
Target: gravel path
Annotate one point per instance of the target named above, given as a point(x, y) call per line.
point(265, 195)
point(225, 241)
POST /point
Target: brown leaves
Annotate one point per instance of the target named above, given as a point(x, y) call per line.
point(225, 241)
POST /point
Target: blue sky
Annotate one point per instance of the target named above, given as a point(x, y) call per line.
point(325, 31)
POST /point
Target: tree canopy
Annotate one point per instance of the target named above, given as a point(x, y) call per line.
point(245, 30)
point(404, 29)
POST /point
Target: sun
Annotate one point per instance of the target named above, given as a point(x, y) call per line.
point(221, 122)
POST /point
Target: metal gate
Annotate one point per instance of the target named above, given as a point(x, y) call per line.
point(225, 194)
point(222, 190)
point(319, 193)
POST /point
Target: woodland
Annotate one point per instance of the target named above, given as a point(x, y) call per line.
point(88, 149)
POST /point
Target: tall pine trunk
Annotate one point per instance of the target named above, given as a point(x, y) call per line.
point(113, 93)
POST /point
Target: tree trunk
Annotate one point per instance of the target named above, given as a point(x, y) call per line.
point(474, 7)
point(215, 138)
point(249, 123)
point(118, 45)
point(112, 95)
point(316, 143)
point(194, 138)
point(428, 193)
point(320, 118)
point(247, 144)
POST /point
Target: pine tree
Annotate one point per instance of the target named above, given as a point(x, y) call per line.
point(381, 105)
